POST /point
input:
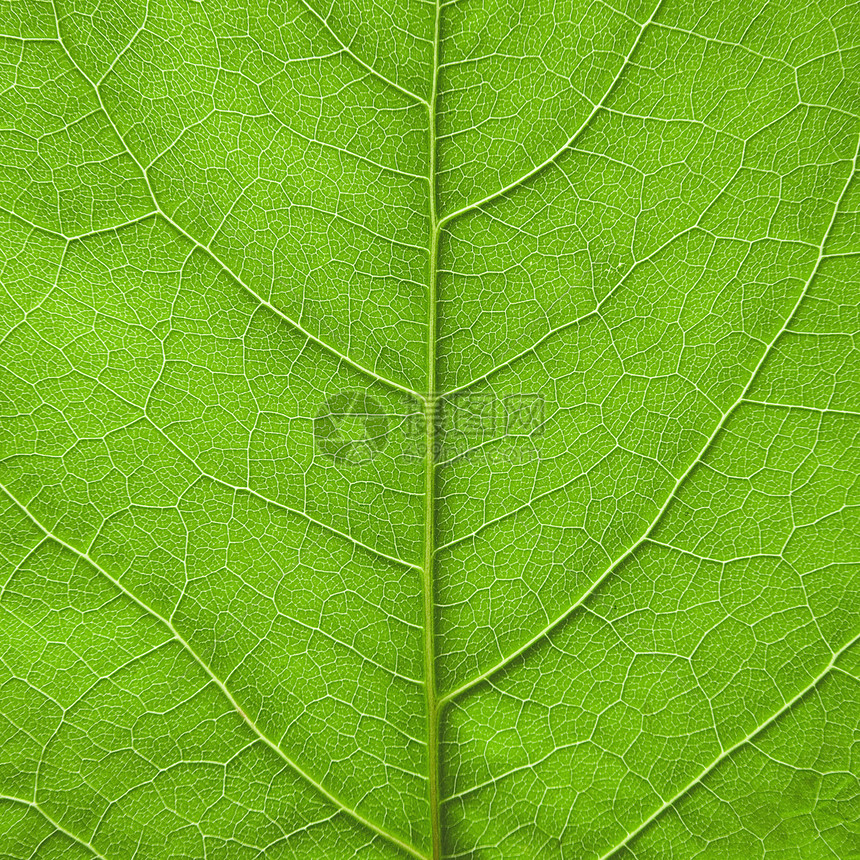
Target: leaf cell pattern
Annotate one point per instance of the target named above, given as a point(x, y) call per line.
point(625, 630)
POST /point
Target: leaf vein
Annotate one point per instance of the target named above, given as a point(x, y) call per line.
point(318, 786)
point(546, 631)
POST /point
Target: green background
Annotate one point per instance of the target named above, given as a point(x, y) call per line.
point(216, 216)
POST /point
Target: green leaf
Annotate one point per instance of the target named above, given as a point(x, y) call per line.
point(429, 430)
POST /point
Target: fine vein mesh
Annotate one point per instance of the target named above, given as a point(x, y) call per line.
point(591, 590)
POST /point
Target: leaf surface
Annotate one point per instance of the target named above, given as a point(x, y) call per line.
point(429, 430)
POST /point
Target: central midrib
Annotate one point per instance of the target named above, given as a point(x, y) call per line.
point(430, 402)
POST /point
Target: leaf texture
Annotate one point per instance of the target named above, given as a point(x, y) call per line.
point(429, 429)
